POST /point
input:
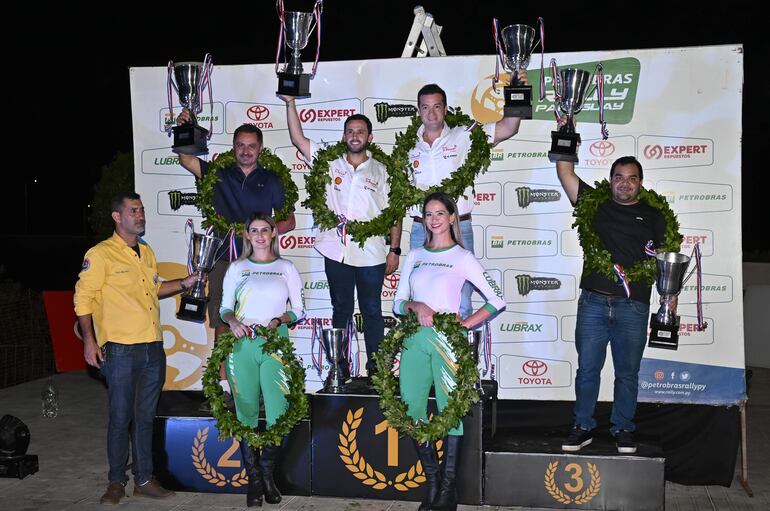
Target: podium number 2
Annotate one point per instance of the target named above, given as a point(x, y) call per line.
point(226, 459)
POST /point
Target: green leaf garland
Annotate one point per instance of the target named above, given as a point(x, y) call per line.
point(597, 257)
point(460, 399)
point(297, 406)
point(205, 198)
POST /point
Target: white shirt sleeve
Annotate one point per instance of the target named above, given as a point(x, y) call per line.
point(296, 294)
point(476, 275)
point(228, 290)
point(404, 291)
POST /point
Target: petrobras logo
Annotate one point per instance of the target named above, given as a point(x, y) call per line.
point(526, 283)
point(258, 115)
point(311, 115)
point(385, 111)
point(497, 154)
point(526, 196)
point(669, 152)
point(208, 118)
point(508, 242)
point(497, 241)
point(390, 285)
point(293, 242)
point(695, 197)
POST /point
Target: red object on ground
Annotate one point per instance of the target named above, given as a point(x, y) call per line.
point(62, 322)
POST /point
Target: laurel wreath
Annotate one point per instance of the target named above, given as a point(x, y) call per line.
point(597, 257)
point(413, 477)
point(206, 470)
point(460, 399)
point(319, 177)
point(297, 403)
point(554, 491)
point(476, 162)
point(205, 199)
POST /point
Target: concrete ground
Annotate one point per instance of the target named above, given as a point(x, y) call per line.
point(73, 461)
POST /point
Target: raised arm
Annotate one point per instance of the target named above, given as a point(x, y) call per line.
point(297, 136)
point(189, 162)
point(507, 127)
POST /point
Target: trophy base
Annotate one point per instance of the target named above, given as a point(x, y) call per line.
point(663, 336)
point(190, 139)
point(297, 86)
point(518, 101)
point(18, 466)
point(192, 309)
point(564, 146)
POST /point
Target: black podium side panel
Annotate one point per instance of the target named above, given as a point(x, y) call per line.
point(356, 454)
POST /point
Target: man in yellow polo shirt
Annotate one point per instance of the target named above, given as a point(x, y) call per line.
point(116, 301)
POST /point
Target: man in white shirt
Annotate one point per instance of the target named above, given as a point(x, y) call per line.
point(359, 191)
point(438, 152)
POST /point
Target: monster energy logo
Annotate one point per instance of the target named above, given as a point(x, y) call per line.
point(527, 283)
point(358, 319)
point(178, 199)
point(526, 196)
point(385, 111)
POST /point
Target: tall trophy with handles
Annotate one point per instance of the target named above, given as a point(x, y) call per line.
point(518, 43)
point(570, 95)
point(190, 80)
point(664, 324)
point(296, 28)
point(202, 252)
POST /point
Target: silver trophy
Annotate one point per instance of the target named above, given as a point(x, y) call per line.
point(518, 40)
point(571, 89)
point(203, 249)
point(664, 325)
point(189, 79)
point(296, 30)
point(336, 343)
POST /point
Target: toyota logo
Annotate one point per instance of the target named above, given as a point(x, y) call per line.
point(391, 281)
point(534, 367)
point(257, 112)
point(653, 152)
point(288, 242)
point(299, 156)
point(601, 148)
point(307, 115)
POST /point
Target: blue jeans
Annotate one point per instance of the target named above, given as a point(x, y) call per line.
point(367, 281)
point(622, 323)
point(135, 375)
point(417, 239)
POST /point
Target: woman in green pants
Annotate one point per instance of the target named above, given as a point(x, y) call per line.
point(431, 281)
point(256, 290)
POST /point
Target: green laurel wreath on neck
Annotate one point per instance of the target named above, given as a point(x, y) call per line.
point(597, 257)
point(460, 399)
point(319, 177)
point(477, 161)
point(205, 199)
point(297, 402)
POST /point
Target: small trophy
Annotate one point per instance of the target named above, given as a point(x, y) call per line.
point(335, 343)
point(664, 325)
point(518, 40)
point(296, 28)
point(191, 80)
point(571, 87)
point(202, 256)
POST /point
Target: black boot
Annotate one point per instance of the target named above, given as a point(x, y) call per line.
point(447, 496)
point(426, 451)
point(267, 461)
point(251, 464)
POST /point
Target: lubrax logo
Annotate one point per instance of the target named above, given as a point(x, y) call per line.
point(317, 284)
point(657, 151)
point(526, 195)
point(385, 111)
point(325, 115)
point(527, 283)
point(166, 160)
point(258, 114)
point(290, 242)
point(177, 199)
point(521, 326)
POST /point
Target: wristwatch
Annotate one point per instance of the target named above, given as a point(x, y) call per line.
point(396, 250)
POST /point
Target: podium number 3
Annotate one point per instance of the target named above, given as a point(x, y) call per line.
point(577, 471)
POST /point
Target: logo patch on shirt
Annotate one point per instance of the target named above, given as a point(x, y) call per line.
point(86, 264)
point(416, 163)
point(338, 180)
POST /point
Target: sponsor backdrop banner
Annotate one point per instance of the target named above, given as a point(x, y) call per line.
point(676, 110)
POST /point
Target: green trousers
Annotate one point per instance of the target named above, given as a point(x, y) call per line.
point(251, 370)
point(427, 359)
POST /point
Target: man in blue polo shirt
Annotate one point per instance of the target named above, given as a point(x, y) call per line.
point(242, 189)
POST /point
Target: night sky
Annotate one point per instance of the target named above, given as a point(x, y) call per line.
point(69, 83)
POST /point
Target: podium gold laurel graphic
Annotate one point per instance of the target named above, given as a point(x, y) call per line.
point(362, 470)
point(584, 497)
point(208, 471)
